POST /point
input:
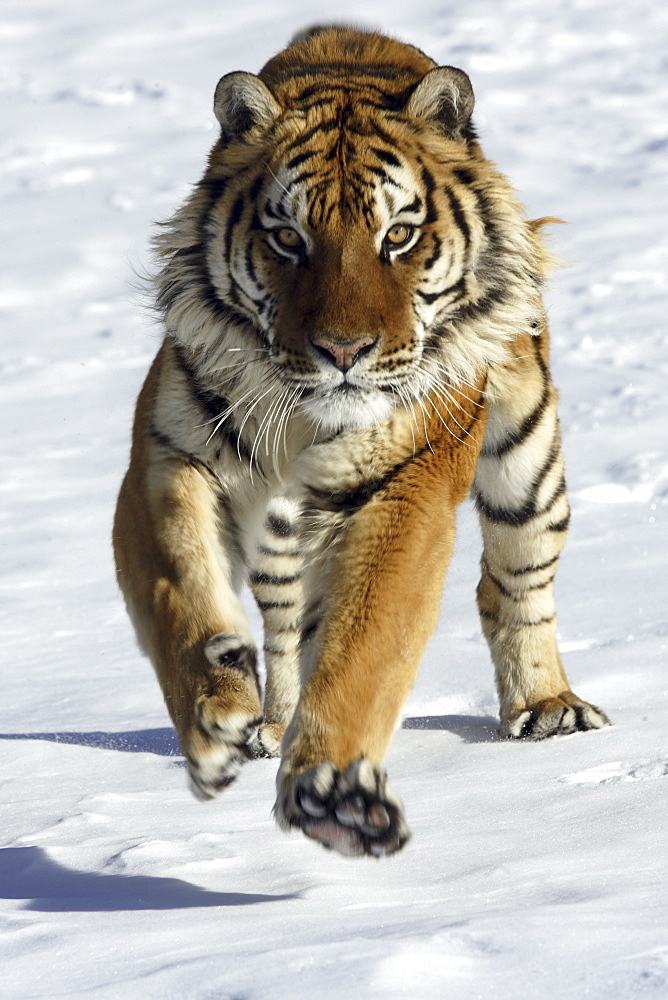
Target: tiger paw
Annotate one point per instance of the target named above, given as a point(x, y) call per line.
point(227, 716)
point(266, 741)
point(558, 716)
point(354, 812)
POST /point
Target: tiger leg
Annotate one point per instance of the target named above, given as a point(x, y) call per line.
point(524, 514)
point(276, 582)
point(175, 575)
point(372, 603)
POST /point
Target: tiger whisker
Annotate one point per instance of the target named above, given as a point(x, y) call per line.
point(222, 417)
point(258, 399)
point(451, 415)
point(274, 406)
point(264, 422)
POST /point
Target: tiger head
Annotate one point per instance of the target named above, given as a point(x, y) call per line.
point(349, 224)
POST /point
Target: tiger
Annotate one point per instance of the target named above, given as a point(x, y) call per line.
point(355, 341)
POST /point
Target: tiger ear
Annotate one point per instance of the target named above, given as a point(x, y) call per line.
point(241, 101)
point(444, 95)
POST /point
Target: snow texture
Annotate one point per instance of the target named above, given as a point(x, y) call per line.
point(535, 870)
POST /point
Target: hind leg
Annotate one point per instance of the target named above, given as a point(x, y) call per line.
point(277, 584)
point(524, 514)
point(176, 578)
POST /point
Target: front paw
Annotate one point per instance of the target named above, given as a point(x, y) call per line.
point(563, 714)
point(354, 812)
point(226, 716)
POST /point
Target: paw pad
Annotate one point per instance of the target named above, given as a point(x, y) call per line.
point(354, 812)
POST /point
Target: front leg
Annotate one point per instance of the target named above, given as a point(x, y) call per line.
point(524, 514)
point(176, 573)
point(373, 600)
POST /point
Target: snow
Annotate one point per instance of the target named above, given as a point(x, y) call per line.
point(535, 870)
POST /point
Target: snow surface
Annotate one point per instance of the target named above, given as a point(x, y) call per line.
point(536, 870)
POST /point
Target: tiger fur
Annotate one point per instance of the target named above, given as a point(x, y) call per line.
point(355, 339)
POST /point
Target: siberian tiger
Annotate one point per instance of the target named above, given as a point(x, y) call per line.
point(355, 339)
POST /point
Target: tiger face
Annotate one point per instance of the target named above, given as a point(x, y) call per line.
point(344, 277)
point(355, 228)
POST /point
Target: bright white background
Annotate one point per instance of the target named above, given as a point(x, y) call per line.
point(535, 870)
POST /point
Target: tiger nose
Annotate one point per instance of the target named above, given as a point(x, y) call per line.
point(343, 354)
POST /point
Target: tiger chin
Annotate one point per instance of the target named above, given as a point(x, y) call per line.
point(355, 340)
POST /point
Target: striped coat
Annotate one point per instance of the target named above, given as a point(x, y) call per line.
point(354, 339)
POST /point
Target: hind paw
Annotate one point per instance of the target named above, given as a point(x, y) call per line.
point(266, 741)
point(558, 716)
point(354, 812)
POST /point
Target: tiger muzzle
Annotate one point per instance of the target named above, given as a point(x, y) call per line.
point(343, 354)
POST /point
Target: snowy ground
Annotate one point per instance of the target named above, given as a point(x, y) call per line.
point(535, 871)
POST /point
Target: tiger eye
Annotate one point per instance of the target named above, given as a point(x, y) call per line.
point(287, 237)
point(398, 235)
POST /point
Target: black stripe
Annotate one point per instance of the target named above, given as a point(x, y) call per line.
point(532, 569)
point(300, 158)
point(500, 515)
point(528, 510)
point(383, 174)
point(319, 102)
point(278, 581)
point(380, 71)
point(385, 156)
point(300, 178)
point(520, 594)
point(166, 442)
point(266, 551)
point(281, 526)
point(497, 583)
point(215, 187)
point(466, 177)
point(430, 297)
point(232, 221)
point(414, 206)
point(529, 424)
point(256, 187)
point(212, 403)
point(319, 129)
point(250, 265)
point(458, 213)
point(560, 525)
point(430, 185)
point(349, 501)
point(238, 294)
point(436, 252)
point(559, 492)
point(272, 605)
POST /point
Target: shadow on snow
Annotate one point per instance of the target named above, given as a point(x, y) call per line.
point(28, 873)
point(158, 741)
point(469, 728)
